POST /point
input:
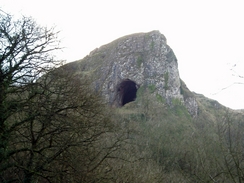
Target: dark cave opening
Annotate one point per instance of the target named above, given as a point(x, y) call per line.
point(127, 91)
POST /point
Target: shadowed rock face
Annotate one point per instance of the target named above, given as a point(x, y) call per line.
point(127, 91)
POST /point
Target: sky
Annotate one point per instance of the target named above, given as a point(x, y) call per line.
point(207, 36)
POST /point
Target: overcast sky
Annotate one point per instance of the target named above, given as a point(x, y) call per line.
point(207, 36)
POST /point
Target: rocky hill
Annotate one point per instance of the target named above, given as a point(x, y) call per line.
point(135, 62)
point(144, 60)
point(170, 134)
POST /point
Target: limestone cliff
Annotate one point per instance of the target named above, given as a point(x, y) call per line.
point(141, 60)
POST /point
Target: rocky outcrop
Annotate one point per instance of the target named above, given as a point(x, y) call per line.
point(143, 58)
point(190, 100)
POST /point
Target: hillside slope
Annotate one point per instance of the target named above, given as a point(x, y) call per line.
point(146, 62)
point(171, 133)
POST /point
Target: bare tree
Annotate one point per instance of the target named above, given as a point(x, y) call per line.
point(24, 57)
point(62, 120)
point(53, 128)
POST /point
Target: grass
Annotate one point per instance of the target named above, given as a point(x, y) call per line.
point(139, 60)
point(166, 80)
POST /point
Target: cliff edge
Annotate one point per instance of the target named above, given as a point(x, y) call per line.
point(120, 68)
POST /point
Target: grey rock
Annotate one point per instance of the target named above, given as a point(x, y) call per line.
point(144, 58)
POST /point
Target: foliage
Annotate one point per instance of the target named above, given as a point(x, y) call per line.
point(55, 128)
point(152, 88)
point(152, 45)
point(61, 120)
point(166, 81)
point(160, 98)
point(24, 57)
point(139, 60)
point(195, 149)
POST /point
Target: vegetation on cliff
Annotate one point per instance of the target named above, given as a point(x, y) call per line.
point(54, 127)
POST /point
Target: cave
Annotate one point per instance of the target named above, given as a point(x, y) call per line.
point(127, 91)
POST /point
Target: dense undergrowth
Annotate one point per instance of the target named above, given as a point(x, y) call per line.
point(208, 148)
point(55, 128)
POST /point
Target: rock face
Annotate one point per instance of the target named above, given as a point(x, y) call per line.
point(140, 60)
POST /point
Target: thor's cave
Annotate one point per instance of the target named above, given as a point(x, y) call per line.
point(127, 91)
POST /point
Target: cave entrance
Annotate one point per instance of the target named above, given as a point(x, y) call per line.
point(127, 91)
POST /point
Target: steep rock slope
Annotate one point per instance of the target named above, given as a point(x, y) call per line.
point(139, 60)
